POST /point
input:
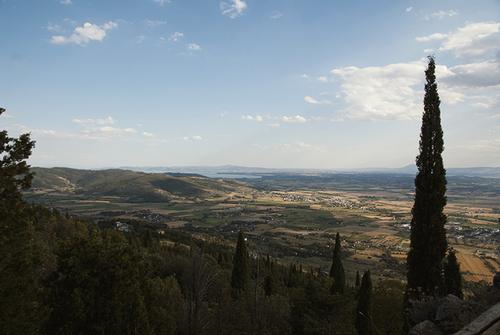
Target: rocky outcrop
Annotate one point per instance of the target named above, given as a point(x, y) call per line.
point(446, 315)
point(425, 328)
point(453, 313)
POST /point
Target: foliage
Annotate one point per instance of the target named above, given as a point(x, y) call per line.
point(452, 276)
point(388, 300)
point(337, 269)
point(364, 322)
point(428, 236)
point(239, 277)
point(21, 308)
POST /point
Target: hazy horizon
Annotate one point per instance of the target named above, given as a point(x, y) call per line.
point(221, 166)
point(295, 84)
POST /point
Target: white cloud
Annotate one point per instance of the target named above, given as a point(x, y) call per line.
point(392, 91)
point(176, 36)
point(314, 101)
point(66, 2)
point(54, 28)
point(194, 47)
point(409, 9)
point(256, 118)
point(441, 14)
point(146, 134)
point(192, 138)
point(476, 82)
point(294, 119)
point(162, 2)
point(233, 8)
point(154, 23)
point(116, 131)
point(105, 121)
point(381, 92)
point(85, 34)
point(276, 15)
point(323, 79)
point(482, 74)
point(311, 100)
point(395, 91)
point(432, 37)
point(474, 39)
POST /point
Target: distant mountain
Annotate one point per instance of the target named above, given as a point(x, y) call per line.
point(234, 171)
point(130, 185)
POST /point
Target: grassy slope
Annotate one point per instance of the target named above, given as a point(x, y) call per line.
point(133, 186)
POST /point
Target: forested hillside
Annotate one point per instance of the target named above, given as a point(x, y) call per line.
point(90, 279)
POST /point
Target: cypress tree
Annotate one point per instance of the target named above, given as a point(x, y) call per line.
point(269, 285)
point(239, 276)
point(364, 308)
point(428, 236)
point(357, 279)
point(452, 276)
point(337, 269)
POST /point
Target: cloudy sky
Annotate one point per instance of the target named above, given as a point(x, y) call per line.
point(277, 83)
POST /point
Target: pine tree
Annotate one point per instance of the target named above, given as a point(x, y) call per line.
point(364, 309)
point(452, 276)
point(239, 277)
point(428, 236)
point(21, 310)
point(337, 269)
point(357, 279)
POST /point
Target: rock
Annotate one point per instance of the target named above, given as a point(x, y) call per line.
point(425, 328)
point(421, 310)
point(452, 314)
point(496, 280)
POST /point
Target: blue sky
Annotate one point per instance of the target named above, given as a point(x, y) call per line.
point(276, 83)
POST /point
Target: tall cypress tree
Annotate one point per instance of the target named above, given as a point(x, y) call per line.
point(452, 276)
point(358, 280)
point(364, 323)
point(428, 236)
point(337, 269)
point(239, 276)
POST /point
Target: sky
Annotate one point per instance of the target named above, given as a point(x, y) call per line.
point(272, 83)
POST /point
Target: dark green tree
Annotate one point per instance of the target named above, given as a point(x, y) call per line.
point(452, 276)
point(239, 276)
point(364, 323)
point(337, 269)
point(428, 236)
point(358, 280)
point(21, 309)
point(269, 285)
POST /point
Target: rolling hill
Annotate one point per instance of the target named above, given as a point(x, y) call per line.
point(130, 185)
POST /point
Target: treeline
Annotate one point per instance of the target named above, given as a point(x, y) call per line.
point(76, 278)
